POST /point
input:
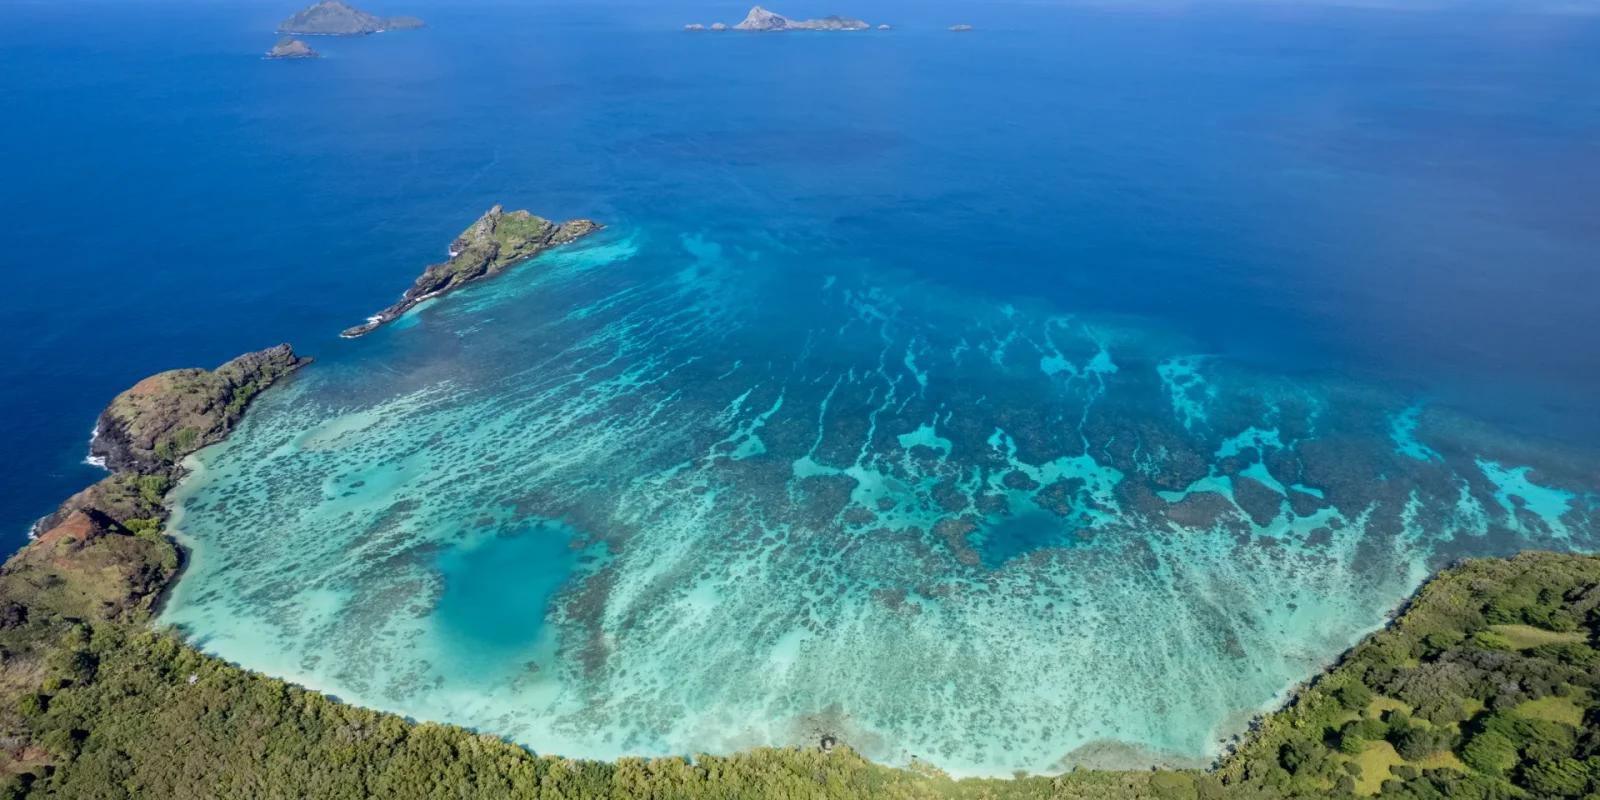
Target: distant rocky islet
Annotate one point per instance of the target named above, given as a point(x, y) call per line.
point(332, 18)
point(760, 20)
point(290, 47)
point(335, 18)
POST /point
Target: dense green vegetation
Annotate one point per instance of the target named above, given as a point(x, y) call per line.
point(1484, 688)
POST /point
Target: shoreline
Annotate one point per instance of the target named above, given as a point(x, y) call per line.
point(1292, 697)
point(1225, 745)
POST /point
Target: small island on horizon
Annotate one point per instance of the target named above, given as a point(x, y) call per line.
point(761, 20)
point(290, 47)
point(335, 18)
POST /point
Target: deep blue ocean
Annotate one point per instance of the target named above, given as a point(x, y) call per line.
point(1400, 195)
point(1317, 196)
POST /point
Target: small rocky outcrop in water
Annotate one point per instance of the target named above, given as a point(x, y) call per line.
point(290, 47)
point(960, 28)
point(333, 18)
point(496, 241)
point(760, 19)
point(145, 431)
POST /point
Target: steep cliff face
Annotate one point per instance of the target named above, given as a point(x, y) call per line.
point(499, 239)
point(101, 555)
point(143, 434)
point(150, 427)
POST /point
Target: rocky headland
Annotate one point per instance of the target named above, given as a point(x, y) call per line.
point(147, 430)
point(761, 20)
point(499, 239)
point(334, 18)
point(290, 47)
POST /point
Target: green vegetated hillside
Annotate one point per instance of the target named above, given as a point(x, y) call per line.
point(1484, 688)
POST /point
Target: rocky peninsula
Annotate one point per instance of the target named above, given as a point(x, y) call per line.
point(761, 20)
point(334, 18)
point(290, 47)
point(498, 240)
point(147, 430)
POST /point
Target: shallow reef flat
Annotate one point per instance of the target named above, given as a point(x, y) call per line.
point(661, 494)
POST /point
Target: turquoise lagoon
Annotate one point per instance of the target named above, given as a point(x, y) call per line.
point(1059, 393)
point(670, 493)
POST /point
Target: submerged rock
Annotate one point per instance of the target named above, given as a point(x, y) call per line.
point(883, 27)
point(760, 19)
point(959, 28)
point(694, 26)
point(290, 47)
point(496, 241)
point(334, 18)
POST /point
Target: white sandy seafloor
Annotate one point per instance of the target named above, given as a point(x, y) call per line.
point(661, 496)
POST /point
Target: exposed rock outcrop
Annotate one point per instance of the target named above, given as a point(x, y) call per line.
point(960, 28)
point(760, 19)
point(101, 555)
point(290, 47)
point(334, 18)
point(499, 239)
point(150, 427)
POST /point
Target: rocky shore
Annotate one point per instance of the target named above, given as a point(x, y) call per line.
point(498, 240)
point(147, 430)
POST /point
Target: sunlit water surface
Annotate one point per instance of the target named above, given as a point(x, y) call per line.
point(1062, 392)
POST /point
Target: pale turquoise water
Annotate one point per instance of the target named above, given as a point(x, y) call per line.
point(986, 398)
point(676, 492)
